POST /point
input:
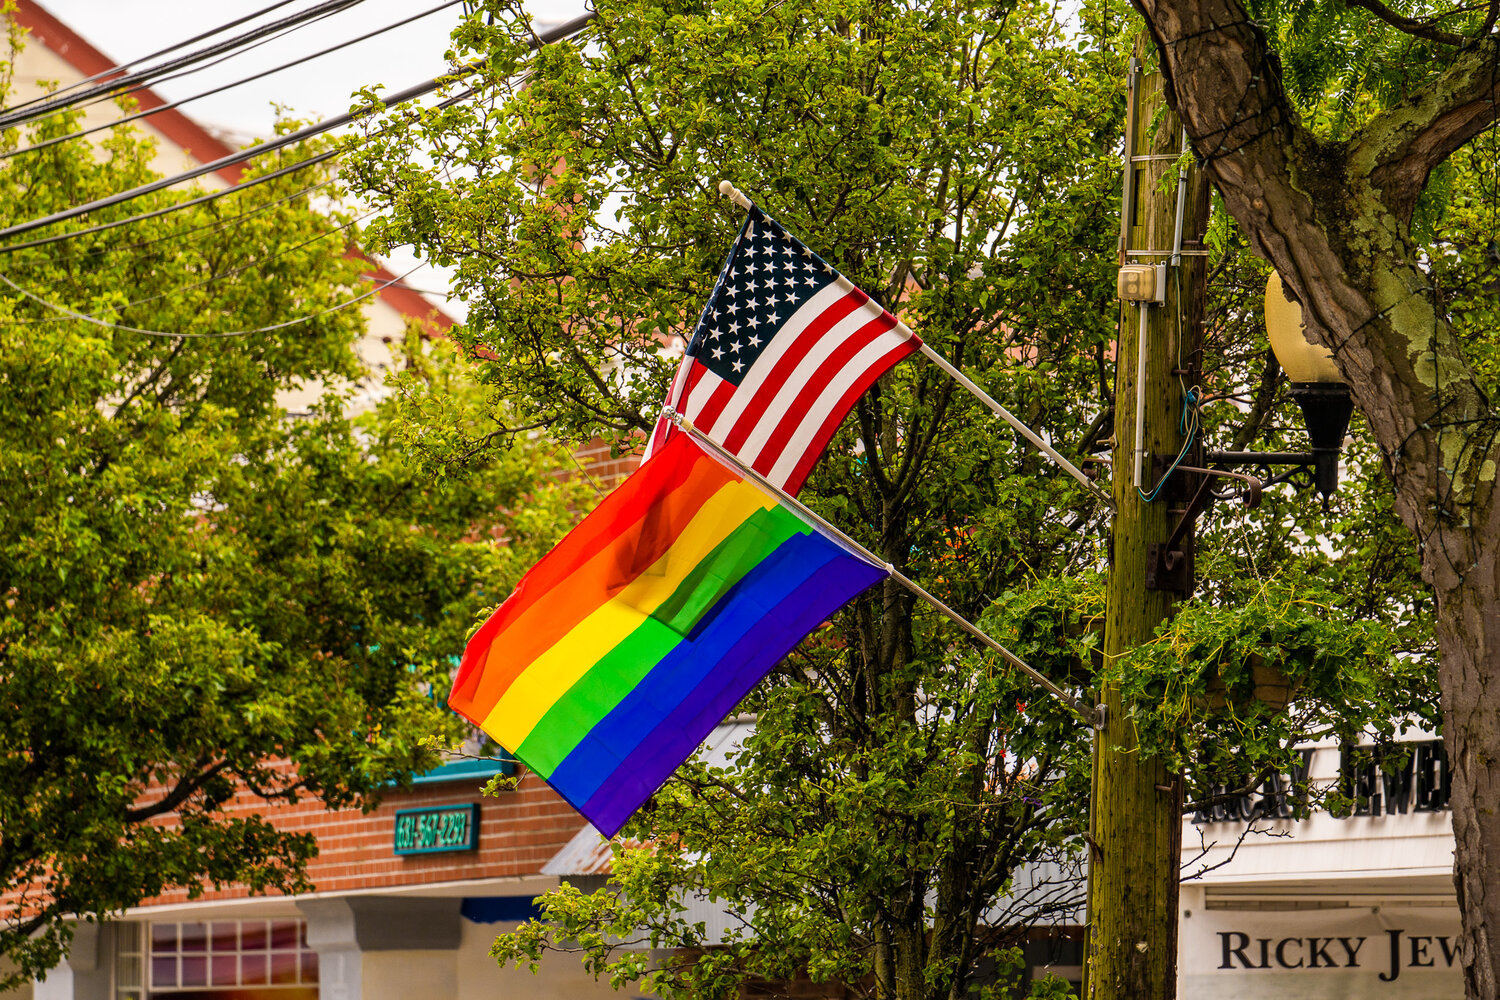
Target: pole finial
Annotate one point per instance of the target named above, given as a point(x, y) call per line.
point(728, 190)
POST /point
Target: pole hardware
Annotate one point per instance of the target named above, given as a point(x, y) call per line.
point(1169, 564)
point(1326, 406)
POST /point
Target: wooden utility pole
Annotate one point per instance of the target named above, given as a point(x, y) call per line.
point(1136, 824)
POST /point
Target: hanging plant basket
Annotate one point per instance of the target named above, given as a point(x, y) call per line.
point(1267, 683)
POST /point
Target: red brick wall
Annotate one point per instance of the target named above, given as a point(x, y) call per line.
point(519, 831)
point(603, 469)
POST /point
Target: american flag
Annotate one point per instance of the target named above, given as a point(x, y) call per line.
point(784, 347)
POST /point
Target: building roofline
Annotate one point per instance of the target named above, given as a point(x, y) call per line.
point(201, 144)
point(198, 141)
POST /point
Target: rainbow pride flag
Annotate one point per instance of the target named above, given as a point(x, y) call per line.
point(627, 643)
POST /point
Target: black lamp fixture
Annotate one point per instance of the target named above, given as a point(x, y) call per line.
point(1326, 406)
point(1317, 387)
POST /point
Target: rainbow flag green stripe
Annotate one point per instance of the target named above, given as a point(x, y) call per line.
point(584, 705)
point(670, 601)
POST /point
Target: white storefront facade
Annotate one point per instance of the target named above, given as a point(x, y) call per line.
point(1354, 904)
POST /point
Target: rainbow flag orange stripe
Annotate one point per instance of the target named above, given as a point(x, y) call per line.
point(623, 648)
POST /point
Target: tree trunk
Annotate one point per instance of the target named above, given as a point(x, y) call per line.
point(1469, 639)
point(1334, 218)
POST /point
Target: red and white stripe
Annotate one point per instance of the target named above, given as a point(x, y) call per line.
point(781, 417)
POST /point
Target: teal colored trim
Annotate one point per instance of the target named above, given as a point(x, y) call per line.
point(467, 769)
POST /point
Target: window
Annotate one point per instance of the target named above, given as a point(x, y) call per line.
point(215, 960)
point(130, 961)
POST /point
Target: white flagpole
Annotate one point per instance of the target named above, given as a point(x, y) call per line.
point(1091, 716)
point(734, 194)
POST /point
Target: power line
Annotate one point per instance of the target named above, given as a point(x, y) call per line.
point(130, 82)
point(191, 70)
point(228, 86)
point(255, 265)
point(545, 38)
point(214, 227)
point(122, 67)
point(135, 80)
point(204, 199)
point(96, 321)
point(176, 206)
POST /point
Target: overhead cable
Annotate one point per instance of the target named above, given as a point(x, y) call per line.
point(258, 264)
point(211, 196)
point(176, 206)
point(227, 86)
point(96, 321)
point(122, 67)
point(112, 88)
point(545, 38)
point(216, 226)
point(249, 47)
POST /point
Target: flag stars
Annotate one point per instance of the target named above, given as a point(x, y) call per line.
point(770, 277)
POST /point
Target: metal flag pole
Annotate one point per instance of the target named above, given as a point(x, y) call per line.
point(728, 190)
point(1092, 716)
point(1011, 419)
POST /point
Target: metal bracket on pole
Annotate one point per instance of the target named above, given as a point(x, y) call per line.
point(1181, 208)
point(1132, 99)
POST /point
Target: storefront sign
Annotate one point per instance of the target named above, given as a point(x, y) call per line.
point(1354, 951)
point(439, 828)
point(1413, 777)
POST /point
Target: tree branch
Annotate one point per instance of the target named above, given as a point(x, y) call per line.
point(185, 787)
point(1402, 145)
point(1409, 26)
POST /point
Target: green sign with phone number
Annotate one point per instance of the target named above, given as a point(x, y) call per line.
point(438, 828)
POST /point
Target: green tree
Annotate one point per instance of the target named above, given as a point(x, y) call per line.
point(868, 832)
point(1334, 133)
point(200, 594)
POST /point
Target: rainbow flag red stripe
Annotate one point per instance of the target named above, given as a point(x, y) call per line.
point(627, 643)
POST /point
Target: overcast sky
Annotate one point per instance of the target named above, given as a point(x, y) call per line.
point(314, 89)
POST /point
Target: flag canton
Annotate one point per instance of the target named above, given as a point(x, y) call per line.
point(769, 274)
